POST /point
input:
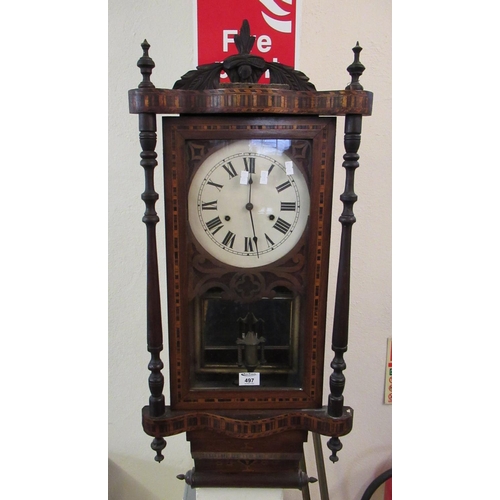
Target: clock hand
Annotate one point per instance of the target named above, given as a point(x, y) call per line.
point(253, 229)
point(249, 207)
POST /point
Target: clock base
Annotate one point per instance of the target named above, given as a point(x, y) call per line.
point(222, 461)
point(239, 447)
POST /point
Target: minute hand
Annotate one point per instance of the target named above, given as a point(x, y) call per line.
point(249, 207)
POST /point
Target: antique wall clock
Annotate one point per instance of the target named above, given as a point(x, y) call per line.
point(248, 182)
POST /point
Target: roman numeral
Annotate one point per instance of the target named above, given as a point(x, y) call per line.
point(218, 186)
point(249, 164)
point(270, 169)
point(210, 205)
point(228, 167)
point(288, 206)
point(229, 239)
point(282, 225)
point(215, 223)
point(248, 244)
point(283, 186)
point(270, 242)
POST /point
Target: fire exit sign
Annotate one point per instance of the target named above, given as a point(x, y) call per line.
point(272, 22)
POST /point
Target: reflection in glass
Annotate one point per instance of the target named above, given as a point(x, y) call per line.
point(259, 336)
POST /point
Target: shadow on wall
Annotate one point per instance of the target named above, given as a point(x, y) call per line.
point(130, 478)
point(122, 485)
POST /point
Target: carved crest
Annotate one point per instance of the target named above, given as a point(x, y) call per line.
point(243, 68)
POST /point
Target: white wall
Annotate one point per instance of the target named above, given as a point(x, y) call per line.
point(329, 31)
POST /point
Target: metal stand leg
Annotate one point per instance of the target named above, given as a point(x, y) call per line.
point(320, 465)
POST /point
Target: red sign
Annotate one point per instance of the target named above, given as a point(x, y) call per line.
point(273, 22)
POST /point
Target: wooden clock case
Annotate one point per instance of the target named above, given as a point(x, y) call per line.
point(252, 437)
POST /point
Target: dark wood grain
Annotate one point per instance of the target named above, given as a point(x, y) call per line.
point(263, 462)
point(185, 270)
point(147, 137)
point(250, 100)
point(352, 140)
point(288, 479)
point(247, 424)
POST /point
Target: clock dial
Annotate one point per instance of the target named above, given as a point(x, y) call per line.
point(248, 203)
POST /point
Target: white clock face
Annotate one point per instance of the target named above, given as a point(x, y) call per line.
point(248, 203)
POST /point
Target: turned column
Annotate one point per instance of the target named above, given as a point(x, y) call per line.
point(352, 140)
point(147, 137)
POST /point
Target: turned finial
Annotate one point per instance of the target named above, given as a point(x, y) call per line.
point(146, 64)
point(158, 445)
point(355, 70)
